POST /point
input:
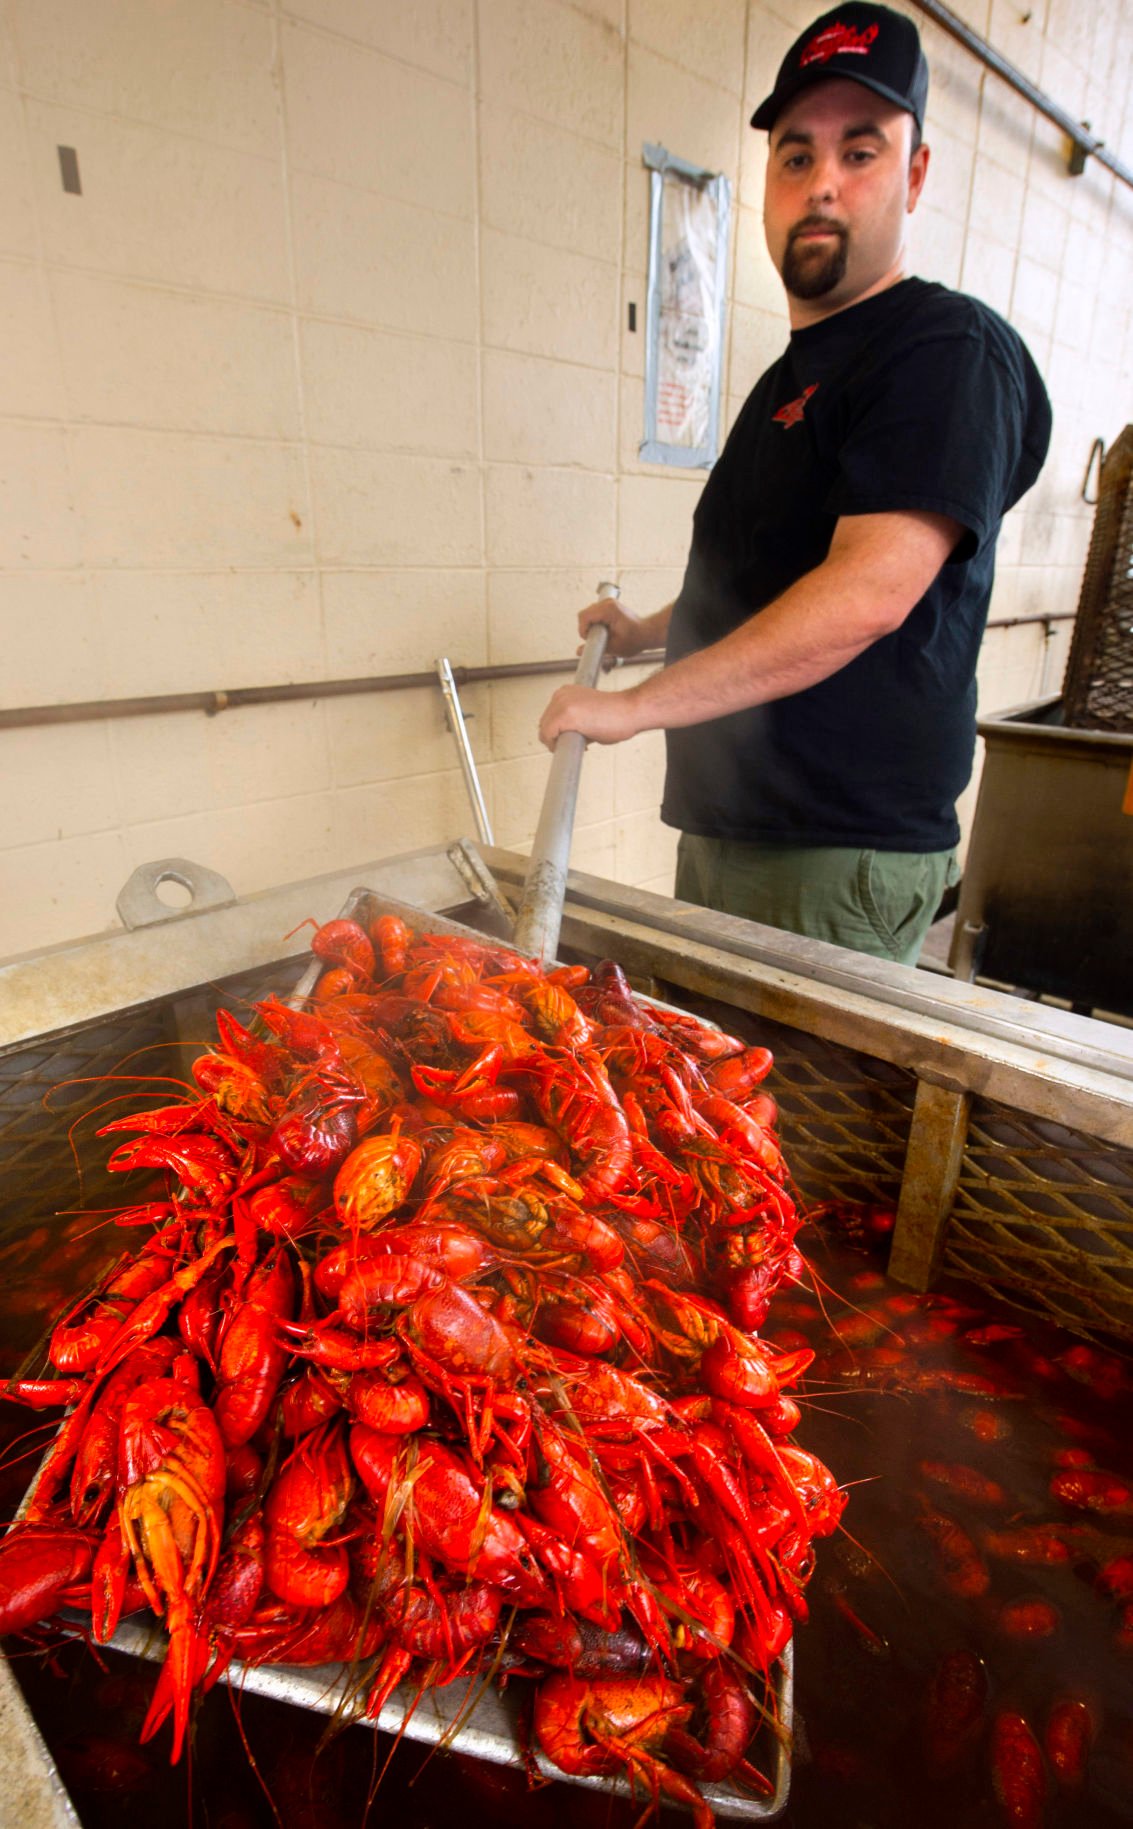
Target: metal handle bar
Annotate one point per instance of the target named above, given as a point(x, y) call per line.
point(541, 910)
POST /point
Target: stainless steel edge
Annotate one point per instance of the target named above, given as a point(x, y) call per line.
point(31, 1790)
point(467, 1717)
point(81, 981)
point(898, 996)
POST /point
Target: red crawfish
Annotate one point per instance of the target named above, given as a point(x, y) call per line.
point(92, 1477)
point(713, 1744)
point(144, 1320)
point(1017, 1771)
point(391, 939)
point(235, 1086)
point(1069, 1734)
point(375, 1180)
point(171, 1476)
point(539, 1224)
point(286, 1208)
point(463, 1352)
point(1092, 1489)
point(1027, 1617)
point(447, 1507)
point(700, 1039)
point(230, 1602)
point(579, 1646)
point(1042, 1545)
point(471, 1094)
point(441, 1620)
point(307, 1500)
point(555, 1017)
point(737, 1076)
point(206, 1167)
point(962, 1567)
point(343, 1633)
point(594, 1725)
point(42, 1566)
point(954, 1709)
point(444, 1244)
point(575, 1098)
point(319, 1126)
point(966, 1482)
point(737, 1129)
point(252, 1354)
point(345, 944)
point(304, 1403)
point(393, 1400)
point(82, 1336)
point(731, 1364)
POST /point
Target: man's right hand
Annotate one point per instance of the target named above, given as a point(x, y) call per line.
point(629, 634)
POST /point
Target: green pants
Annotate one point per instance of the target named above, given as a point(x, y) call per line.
point(879, 902)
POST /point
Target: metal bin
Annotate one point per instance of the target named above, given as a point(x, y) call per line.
point(1048, 881)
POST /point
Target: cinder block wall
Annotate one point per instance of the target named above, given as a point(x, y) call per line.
point(327, 372)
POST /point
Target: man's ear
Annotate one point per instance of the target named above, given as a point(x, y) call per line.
point(918, 172)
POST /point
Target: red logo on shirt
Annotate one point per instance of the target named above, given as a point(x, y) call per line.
point(836, 40)
point(792, 413)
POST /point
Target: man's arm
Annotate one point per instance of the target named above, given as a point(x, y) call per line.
point(878, 568)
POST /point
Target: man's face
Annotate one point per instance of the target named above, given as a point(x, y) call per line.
point(839, 185)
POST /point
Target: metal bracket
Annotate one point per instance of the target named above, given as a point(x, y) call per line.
point(454, 717)
point(1078, 152)
point(473, 871)
point(139, 904)
point(935, 1152)
point(969, 943)
point(1096, 457)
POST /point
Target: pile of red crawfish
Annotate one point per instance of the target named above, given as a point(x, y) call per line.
point(441, 1355)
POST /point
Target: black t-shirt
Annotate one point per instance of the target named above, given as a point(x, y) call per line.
point(918, 398)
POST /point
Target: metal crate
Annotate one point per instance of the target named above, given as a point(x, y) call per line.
point(1003, 1131)
point(1098, 690)
point(1049, 873)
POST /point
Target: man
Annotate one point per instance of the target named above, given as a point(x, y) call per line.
point(818, 696)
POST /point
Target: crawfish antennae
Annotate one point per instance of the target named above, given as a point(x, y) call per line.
point(236, 1697)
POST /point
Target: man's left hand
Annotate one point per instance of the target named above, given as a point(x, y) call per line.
point(601, 717)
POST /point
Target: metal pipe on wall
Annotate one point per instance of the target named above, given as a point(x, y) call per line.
point(1086, 144)
point(84, 711)
point(19, 717)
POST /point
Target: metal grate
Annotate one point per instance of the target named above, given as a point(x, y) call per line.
point(54, 1094)
point(48, 1096)
point(844, 1116)
point(1098, 690)
point(1044, 1217)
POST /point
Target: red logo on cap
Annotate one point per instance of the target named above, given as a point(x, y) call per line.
point(835, 40)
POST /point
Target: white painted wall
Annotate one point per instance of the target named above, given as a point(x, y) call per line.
point(326, 372)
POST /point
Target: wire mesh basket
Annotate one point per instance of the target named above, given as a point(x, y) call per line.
point(1098, 689)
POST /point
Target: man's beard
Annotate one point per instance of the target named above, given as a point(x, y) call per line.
point(810, 271)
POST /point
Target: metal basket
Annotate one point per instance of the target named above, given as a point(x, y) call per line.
point(1098, 690)
point(470, 1716)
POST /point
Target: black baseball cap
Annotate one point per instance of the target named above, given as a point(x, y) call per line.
point(872, 45)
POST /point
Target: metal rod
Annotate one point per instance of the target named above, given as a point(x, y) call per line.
point(82, 711)
point(541, 910)
point(1015, 622)
point(1077, 131)
point(464, 750)
point(85, 711)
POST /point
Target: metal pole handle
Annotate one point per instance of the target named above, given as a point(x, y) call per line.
point(541, 910)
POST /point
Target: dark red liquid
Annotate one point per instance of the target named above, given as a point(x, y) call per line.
point(948, 1416)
